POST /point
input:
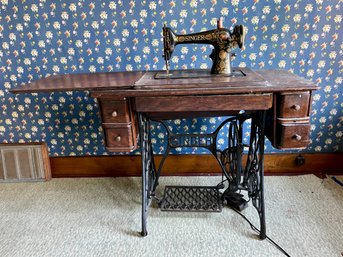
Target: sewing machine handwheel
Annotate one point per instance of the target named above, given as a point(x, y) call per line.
point(240, 33)
point(242, 38)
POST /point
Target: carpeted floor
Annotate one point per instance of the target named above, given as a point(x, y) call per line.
point(101, 217)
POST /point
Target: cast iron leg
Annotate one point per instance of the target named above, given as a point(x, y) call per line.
point(255, 168)
point(146, 168)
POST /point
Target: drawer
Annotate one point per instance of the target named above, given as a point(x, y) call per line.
point(293, 135)
point(293, 105)
point(120, 138)
point(115, 111)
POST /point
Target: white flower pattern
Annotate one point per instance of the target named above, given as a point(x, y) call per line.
point(50, 37)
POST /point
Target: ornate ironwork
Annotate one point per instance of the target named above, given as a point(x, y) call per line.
point(239, 177)
point(254, 171)
point(192, 140)
point(191, 198)
point(148, 168)
point(231, 157)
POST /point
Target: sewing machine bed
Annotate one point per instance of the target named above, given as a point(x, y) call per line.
point(200, 79)
point(184, 74)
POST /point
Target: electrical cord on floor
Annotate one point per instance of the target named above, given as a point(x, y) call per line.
point(337, 181)
point(258, 231)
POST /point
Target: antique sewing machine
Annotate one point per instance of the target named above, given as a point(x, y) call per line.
point(276, 102)
point(220, 38)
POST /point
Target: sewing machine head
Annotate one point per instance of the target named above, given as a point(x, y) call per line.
point(222, 40)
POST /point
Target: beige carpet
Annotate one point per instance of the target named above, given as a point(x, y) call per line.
point(101, 217)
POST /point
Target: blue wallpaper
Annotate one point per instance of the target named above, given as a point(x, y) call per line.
point(40, 38)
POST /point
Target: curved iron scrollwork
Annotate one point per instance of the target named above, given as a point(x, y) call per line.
point(231, 157)
point(253, 177)
point(239, 178)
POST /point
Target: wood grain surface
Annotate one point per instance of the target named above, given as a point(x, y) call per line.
point(81, 81)
point(131, 84)
point(186, 165)
point(204, 103)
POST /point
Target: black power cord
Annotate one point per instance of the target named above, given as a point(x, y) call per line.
point(258, 231)
point(221, 186)
point(337, 181)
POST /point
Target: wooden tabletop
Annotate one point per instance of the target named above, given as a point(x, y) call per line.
point(81, 82)
point(139, 83)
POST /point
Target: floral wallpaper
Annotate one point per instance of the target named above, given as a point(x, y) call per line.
point(40, 38)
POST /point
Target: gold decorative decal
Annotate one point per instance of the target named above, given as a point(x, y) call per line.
point(209, 36)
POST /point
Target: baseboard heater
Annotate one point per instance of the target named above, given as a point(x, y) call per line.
point(24, 162)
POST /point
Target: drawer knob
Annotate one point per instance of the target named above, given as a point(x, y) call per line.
point(297, 137)
point(114, 114)
point(296, 107)
point(117, 138)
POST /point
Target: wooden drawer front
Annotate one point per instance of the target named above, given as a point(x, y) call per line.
point(115, 111)
point(204, 103)
point(293, 135)
point(294, 105)
point(120, 138)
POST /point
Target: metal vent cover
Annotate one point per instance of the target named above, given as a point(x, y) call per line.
point(24, 162)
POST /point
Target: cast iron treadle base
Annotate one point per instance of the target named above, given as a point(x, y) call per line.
point(191, 199)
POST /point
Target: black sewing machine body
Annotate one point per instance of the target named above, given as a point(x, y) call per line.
point(223, 40)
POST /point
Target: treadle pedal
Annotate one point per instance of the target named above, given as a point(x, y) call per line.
point(191, 199)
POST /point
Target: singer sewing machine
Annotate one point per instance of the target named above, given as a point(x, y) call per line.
point(276, 103)
point(220, 38)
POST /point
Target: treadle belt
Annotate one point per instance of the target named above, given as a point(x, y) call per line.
point(191, 199)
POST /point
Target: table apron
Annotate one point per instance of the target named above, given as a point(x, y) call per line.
point(207, 103)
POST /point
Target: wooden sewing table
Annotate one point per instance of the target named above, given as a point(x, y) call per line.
point(276, 101)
